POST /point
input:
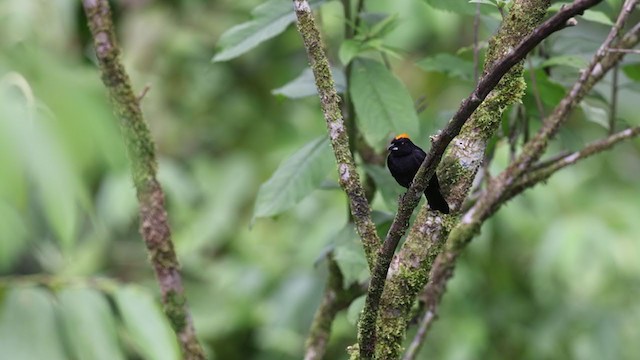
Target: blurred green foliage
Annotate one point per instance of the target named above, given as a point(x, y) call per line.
point(554, 275)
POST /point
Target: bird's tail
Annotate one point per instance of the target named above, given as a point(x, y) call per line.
point(434, 196)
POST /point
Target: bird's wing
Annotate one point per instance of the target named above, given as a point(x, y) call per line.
point(418, 156)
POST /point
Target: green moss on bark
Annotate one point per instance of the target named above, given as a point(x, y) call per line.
point(458, 169)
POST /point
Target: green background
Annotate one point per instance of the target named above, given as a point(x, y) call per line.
point(554, 275)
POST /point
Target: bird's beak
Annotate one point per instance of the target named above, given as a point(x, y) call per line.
point(392, 148)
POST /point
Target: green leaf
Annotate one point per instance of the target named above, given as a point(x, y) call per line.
point(597, 17)
point(13, 232)
point(355, 309)
point(549, 91)
point(28, 326)
point(269, 19)
point(304, 85)
point(589, 15)
point(32, 137)
point(295, 178)
point(455, 6)
point(213, 223)
point(486, 2)
point(594, 113)
point(382, 103)
point(632, 71)
point(349, 49)
point(146, 324)
point(448, 64)
point(573, 61)
point(90, 324)
point(349, 255)
point(384, 27)
point(116, 203)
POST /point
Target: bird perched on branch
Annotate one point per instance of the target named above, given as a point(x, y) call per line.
point(403, 162)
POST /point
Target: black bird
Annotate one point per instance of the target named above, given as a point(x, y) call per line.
point(403, 162)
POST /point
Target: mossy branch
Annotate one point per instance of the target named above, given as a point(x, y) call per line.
point(543, 172)
point(599, 65)
point(334, 299)
point(154, 225)
point(517, 37)
point(500, 191)
point(330, 103)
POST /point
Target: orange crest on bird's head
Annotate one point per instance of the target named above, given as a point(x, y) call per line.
point(401, 136)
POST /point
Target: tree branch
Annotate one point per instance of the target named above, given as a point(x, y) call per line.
point(421, 334)
point(600, 64)
point(154, 225)
point(544, 172)
point(493, 74)
point(593, 73)
point(335, 299)
point(330, 103)
point(472, 220)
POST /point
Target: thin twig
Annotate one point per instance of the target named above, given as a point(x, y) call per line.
point(330, 103)
point(613, 107)
point(514, 130)
point(534, 149)
point(154, 224)
point(535, 89)
point(144, 92)
point(418, 339)
point(411, 198)
point(544, 172)
point(626, 51)
point(476, 47)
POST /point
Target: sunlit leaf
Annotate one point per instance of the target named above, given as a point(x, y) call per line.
point(304, 85)
point(269, 19)
point(28, 328)
point(295, 178)
point(146, 324)
point(89, 324)
point(382, 103)
point(448, 64)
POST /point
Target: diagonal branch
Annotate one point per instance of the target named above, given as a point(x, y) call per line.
point(421, 334)
point(472, 220)
point(154, 224)
point(594, 72)
point(600, 64)
point(410, 199)
point(544, 171)
point(330, 103)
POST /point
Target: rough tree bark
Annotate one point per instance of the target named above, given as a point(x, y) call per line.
point(154, 225)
